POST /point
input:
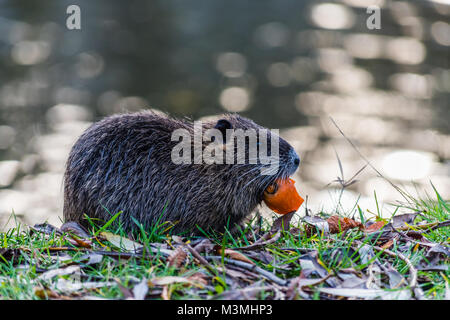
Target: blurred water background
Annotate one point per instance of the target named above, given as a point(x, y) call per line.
point(286, 64)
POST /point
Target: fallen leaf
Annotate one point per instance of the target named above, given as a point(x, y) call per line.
point(439, 249)
point(439, 267)
point(375, 226)
point(353, 281)
point(92, 258)
point(310, 265)
point(234, 255)
point(68, 286)
point(162, 281)
point(395, 278)
point(43, 293)
point(366, 253)
point(248, 293)
point(333, 224)
point(121, 242)
point(403, 220)
point(127, 293)
point(199, 277)
point(140, 290)
point(58, 272)
point(337, 224)
point(45, 228)
point(204, 246)
point(317, 222)
point(81, 243)
point(368, 293)
point(177, 258)
point(282, 223)
point(75, 228)
point(388, 244)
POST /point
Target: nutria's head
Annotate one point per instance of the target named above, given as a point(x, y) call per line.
point(273, 158)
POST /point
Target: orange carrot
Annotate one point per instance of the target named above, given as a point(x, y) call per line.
point(282, 197)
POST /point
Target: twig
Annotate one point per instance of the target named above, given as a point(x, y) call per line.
point(258, 245)
point(202, 260)
point(253, 268)
point(244, 291)
point(412, 269)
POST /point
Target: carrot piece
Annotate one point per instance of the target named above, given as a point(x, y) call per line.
point(282, 197)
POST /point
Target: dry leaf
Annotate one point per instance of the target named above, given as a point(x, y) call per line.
point(140, 290)
point(368, 293)
point(58, 272)
point(337, 224)
point(333, 224)
point(388, 244)
point(75, 228)
point(43, 293)
point(121, 242)
point(177, 258)
point(68, 286)
point(375, 226)
point(282, 223)
point(199, 277)
point(234, 255)
point(163, 281)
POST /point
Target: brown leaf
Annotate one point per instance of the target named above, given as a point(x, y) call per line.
point(45, 228)
point(388, 244)
point(375, 226)
point(234, 255)
point(43, 293)
point(337, 224)
point(75, 228)
point(204, 246)
point(403, 219)
point(177, 258)
point(199, 277)
point(127, 293)
point(282, 223)
point(81, 243)
point(333, 224)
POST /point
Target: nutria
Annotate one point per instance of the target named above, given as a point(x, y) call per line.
point(123, 163)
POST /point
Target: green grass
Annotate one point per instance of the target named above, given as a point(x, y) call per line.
point(20, 269)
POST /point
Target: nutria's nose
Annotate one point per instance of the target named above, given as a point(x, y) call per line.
point(295, 158)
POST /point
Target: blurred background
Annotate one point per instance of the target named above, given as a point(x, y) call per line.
point(286, 64)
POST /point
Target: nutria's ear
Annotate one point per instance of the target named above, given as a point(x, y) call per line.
point(222, 125)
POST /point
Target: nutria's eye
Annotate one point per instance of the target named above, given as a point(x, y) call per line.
point(271, 189)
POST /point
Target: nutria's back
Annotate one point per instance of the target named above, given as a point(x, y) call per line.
point(124, 163)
